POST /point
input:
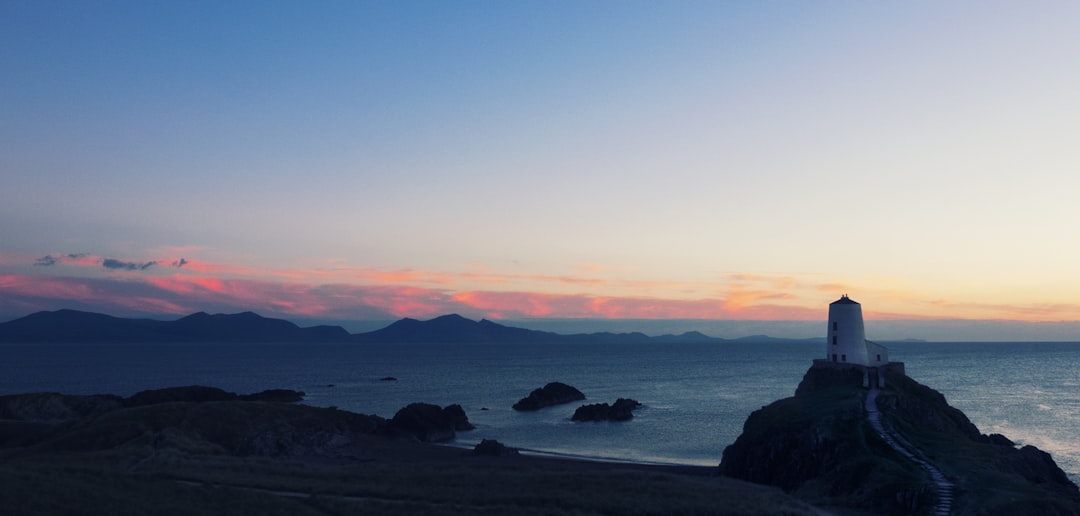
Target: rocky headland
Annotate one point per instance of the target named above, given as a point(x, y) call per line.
point(264, 424)
point(915, 455)
point(202, 450)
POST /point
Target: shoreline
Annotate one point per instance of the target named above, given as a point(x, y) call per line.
point(574, 457)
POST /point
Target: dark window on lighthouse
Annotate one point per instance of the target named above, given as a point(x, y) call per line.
point(834, 340)
point(843, 358)
point(834, 325)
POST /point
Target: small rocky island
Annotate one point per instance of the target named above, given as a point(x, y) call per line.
point(621, 410)
point(554, 393)
point(263, 424)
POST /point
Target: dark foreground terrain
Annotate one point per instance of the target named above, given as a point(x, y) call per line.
point(199, 451)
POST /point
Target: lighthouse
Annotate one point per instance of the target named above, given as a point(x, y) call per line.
point(845, 341)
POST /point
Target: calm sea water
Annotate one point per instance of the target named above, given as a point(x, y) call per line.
point(695, 396)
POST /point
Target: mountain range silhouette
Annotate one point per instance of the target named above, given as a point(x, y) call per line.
point(79, 326)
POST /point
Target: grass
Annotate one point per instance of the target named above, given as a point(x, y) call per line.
point(55, 488)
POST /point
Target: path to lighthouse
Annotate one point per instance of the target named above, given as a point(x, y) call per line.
point(902, 446)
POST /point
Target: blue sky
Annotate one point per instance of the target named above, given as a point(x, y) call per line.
point(703, 160)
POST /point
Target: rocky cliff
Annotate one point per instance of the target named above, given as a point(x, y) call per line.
point(820, 446)
point(209, 420)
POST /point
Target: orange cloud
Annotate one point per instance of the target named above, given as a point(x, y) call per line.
point(1031, 312)
point(739, 298)
point(526, 304)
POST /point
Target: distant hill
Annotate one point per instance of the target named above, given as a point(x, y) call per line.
point(453, 328)
point(78, 326)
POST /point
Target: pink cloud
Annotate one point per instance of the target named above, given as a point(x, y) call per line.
point(45, 287)
point(182, 293)
point(218, 268)
point(342, 292)
point(501, 305)
point(150, 304)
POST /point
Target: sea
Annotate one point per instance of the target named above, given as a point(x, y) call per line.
point(695, 396)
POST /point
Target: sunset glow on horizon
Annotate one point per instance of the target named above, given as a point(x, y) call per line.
point(164, 287)
point(631, 160)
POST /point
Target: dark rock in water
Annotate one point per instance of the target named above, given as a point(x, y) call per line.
point(430, 423)
point(388, 379)
point(193, 393)
point(621, 410)
point(457, 417)
point(493, 448)
point(554, 393)
point(820, 445)
point(275, 396)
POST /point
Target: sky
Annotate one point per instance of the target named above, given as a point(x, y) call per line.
point(542, 160)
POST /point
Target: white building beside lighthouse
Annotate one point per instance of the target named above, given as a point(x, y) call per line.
point(845, 342)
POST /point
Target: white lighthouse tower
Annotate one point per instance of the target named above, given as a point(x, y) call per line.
point(846, 339)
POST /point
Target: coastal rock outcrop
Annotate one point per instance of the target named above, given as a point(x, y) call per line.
point(52, 407)
point(621, 410)
point(232, 427)
point(191, 393)
point(430, 423)
point(820, 445)
point(275, 396)
point(201, 394)
point(195, 417)
point(493, 448)
point(554, 393)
